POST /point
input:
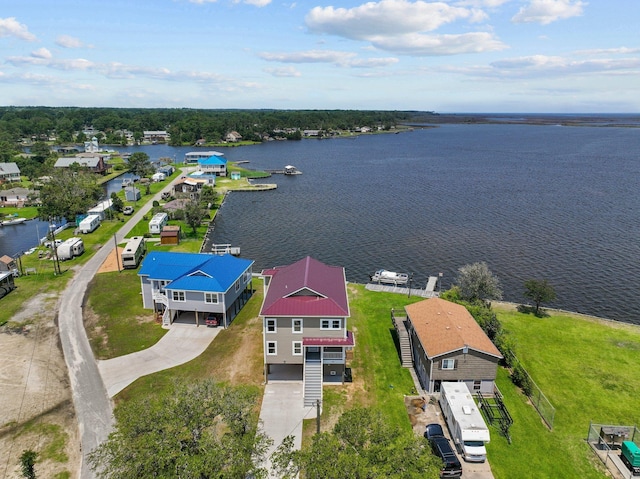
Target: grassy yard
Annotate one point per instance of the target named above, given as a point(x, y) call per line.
point(588, 370)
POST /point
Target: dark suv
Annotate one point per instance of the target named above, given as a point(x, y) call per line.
point(441, 447)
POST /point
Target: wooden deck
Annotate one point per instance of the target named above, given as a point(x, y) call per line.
point(388, 288)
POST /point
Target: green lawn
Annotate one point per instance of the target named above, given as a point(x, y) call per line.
point(588, 370)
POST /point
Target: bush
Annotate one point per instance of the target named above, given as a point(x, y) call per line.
point(521, 379)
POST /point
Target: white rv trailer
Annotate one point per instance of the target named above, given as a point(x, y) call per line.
point(70, 248)
point(157, 222)
point(89, 224)
point(466, 424)
point(133, 252)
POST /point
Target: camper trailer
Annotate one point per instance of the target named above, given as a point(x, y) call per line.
point(89, 224)
point(133, 252)
point(70, 248)
point(466, 424)
point(157, 222)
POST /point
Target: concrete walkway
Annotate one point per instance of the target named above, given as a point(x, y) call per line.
point(282, 414)
point(180, 345)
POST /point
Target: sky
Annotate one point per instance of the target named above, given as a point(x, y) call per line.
point(525, 56)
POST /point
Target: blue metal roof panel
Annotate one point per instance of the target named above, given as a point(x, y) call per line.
point(213, 160)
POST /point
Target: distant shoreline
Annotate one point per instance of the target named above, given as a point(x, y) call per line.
point(542, 119)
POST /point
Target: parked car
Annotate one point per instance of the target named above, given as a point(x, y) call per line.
point(441, 447)
point(212, 320)
point(128, 210)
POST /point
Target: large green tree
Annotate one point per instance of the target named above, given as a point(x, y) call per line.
point(539, 291)
point(363, 444)
point(69, 192)
point(202, 430)
point(194, 214)
point(139, 164)
point(478, 283)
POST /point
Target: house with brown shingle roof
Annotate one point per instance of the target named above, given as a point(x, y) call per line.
point(304, 312)
point(448, 345)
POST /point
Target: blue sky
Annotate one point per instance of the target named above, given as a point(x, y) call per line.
point(565, 56)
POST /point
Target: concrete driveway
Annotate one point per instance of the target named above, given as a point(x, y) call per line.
point(282, 413)
point(180, 345)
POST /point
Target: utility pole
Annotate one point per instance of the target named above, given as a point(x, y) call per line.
point(56, 262)
point(117, 255)
point(317, 416)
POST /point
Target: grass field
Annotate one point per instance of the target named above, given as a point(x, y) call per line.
point(586, 368)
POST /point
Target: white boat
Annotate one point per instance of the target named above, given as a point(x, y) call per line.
point(291, 170)
point(13, 221)
point(389, 277)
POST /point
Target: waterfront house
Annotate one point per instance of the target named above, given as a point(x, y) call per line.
point(92, 162)
point(194, 156)
point(233, 136)
point(156, 136)
point(195, 287)
point(18, 197)
point(189, 187)
point(448, 345)
point(304, 314)
point(9, 173)
point(213, 165)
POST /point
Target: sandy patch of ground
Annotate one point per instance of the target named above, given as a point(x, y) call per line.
point(112, 263)
point(37, 411)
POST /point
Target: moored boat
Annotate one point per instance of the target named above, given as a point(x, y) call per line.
point(13, 221)
point(389, 277)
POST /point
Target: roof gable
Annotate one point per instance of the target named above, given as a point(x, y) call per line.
point(443, 327)
point(194, 271)
point(307, 287)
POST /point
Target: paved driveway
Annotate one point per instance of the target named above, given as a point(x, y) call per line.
point(181, 344)
point(282, 413)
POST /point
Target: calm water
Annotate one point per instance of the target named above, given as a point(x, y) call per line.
point(551, 202)
point(556, 203)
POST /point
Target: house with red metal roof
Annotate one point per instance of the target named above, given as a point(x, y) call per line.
point(448, 345)
point(304, 312)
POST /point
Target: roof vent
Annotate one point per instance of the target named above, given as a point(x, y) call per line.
point(466, 410)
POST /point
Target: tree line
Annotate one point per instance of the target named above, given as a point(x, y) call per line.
point(186, 126)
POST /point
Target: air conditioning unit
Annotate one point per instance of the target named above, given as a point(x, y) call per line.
point(332, 373)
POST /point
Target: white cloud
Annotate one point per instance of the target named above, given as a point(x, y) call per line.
point(41, 53)
point(283, 72)
point(543, 66)
point(10, 27)
point(481, 3)
point(549, 11)
point(68, 41)
point(609, 51)
point(433, 45)
point(341, 59)
point(387, 17)
point(402, 27)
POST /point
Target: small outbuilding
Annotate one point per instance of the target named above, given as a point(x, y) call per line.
point(132, 194)
point(170, 235)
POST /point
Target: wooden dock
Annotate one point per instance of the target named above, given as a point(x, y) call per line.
point(388, 288)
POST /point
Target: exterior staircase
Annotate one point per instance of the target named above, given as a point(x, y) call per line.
point(312, 382)
point(399, 322)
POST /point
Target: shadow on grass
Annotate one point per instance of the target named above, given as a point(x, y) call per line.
point(526, 309)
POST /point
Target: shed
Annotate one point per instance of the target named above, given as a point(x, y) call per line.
point(158, 177)
point(7, 263)
point(170, 235)
point(132, 194)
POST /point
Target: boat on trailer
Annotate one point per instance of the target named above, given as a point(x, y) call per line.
point(13, 221)
point(384, 276)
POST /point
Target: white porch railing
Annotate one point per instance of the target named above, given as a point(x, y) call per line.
point(333, 356)
point(160, 297)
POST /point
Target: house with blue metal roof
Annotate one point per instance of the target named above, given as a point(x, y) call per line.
point(213, 165)
point(198, 288)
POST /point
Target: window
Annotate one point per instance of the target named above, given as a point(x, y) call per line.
point(247, 276)
point(296, 326)
point(297, 348)
point(271, 326)
point(476, 385)
point(179, 296)
point(448, 364)
point(237, 286)
point(211, 297)
point(272, 348)
point(330, 324)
